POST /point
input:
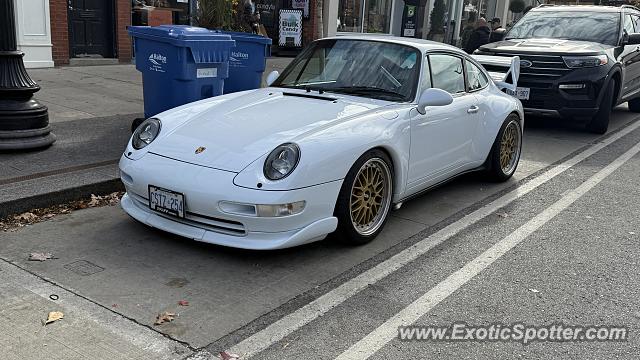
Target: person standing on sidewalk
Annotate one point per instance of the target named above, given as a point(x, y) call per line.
point(251, 16)
point(497, 31)
point(479, 37)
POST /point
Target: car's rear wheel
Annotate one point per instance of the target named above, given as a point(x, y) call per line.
point(600, 122)
point(364, 201)
point(505, 153)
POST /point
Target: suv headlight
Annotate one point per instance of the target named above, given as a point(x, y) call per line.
point(585, 61)
point(145, 133)
point(281, 161)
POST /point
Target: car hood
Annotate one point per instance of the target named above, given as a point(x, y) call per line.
point(546, 46)
point(237, 131)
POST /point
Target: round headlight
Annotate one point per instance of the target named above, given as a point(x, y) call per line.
point(281, 161)
point(145, 133)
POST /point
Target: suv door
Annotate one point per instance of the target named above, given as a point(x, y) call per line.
point(441, 138)
point(630, 57)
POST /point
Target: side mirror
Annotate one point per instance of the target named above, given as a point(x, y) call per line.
point(433, 97)
point(272, 77)
point(632, 39)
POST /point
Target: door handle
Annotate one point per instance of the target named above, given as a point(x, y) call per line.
point(472, 110)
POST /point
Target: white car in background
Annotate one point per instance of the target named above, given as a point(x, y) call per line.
point(354, 126)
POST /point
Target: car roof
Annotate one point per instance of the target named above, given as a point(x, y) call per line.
point(592, 8)
point(421, 44)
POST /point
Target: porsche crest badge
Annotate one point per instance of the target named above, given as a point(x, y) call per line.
point(200, 150)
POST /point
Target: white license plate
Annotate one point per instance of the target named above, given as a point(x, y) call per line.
point(166, 201)
point(521, 93)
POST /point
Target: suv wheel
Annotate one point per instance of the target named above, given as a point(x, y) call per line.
point(600, 122)
point(634, 105)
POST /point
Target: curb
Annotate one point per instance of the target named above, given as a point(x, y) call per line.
point(18, 206)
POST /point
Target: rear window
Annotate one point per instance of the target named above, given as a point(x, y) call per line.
point(600, 27)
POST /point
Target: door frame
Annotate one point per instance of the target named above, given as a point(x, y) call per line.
point(111, 9)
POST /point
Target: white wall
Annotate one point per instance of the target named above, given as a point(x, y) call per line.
point(34, 32)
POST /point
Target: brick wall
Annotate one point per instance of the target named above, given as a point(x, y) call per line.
point(59, 31)
point(123, 19)
point(309, 25)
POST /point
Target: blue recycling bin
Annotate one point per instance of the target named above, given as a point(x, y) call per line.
point(180, 64)
point(247, 61)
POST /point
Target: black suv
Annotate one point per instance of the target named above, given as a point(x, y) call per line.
point(576, 62)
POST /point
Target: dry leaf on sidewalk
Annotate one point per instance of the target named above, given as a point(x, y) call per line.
point(503, 215)
point(183, 303)
point(54, 316)
point(40, 256)
point(225, 355)
point(164, 317)
point(26, 217)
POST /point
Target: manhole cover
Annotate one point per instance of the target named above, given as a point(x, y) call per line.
point(83, 267)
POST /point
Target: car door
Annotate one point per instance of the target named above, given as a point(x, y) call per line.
point(478, 85)
point(441, 138)
point(631, 57)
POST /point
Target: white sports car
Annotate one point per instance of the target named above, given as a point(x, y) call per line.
point(353, 127)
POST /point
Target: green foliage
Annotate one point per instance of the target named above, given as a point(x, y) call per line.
point(436, 19)
point(517, 6)
point(221, 14)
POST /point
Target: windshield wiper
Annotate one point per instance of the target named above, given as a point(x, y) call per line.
point(366, 90)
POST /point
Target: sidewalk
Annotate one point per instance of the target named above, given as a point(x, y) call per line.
point(90, 111)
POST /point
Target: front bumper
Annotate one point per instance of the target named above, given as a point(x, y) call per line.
point(204, 188)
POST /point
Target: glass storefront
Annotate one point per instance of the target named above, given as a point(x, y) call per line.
point(364, 16)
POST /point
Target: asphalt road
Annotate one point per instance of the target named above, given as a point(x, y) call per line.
point(558, 243)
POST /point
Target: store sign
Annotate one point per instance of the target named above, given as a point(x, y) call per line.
point(290, 28)
point(301, 5)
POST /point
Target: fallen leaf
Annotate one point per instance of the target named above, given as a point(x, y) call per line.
point(503, 214)
point(95, 200)
point(164, 317)
point(40, 256)
point(28, 216)
point(534, 291)
point(54, 316)
point(225, 355)
point(114, 305)
point(183, 303)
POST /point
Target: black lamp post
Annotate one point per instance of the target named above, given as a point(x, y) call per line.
point(24, 122)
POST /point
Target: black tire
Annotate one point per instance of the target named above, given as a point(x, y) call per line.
point(494, 168)
point(634, 105)
point(600, 122)
point(350, 195)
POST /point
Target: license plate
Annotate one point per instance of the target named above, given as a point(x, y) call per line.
point(521, 93)
point(166, 201)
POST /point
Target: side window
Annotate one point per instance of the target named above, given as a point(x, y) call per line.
point(447, 73)
point(636, 22)
point(425, 82)
point(628, 24)
point(475, 77)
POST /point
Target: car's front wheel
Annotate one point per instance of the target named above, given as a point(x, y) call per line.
point(364, 201)
point(505, 153)
point(600, 122)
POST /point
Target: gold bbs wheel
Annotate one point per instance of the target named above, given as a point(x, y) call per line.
point(370, 196)
point(510, 145)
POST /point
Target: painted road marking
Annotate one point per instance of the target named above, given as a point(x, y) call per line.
point(318, 307)
point(386, 332)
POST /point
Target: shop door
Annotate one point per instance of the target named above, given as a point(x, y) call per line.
point(91, 28)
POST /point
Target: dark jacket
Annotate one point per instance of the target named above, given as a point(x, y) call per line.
point(479, 37)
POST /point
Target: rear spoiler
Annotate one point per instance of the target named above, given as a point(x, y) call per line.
point(504, 70)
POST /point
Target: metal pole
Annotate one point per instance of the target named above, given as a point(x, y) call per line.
point(24, 122)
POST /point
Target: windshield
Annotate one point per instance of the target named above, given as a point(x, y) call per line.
point(600, 27)
point(365, 68)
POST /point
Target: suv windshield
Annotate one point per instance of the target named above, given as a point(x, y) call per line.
point(600, 27)
point(365, 68)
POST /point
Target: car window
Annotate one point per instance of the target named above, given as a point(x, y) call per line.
point(628, 25)
point(425, 82)
point(636, 22)
point(447, 73)
point(475, 77)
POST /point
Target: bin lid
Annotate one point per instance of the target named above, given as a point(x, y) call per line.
point(177, 33)
point(247, 37)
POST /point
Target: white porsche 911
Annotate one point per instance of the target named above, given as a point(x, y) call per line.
point(352, 127)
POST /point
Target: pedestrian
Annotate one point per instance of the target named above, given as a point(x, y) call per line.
point(479, 37)
point(467, 30)
point(497, 31)
point(251, 16)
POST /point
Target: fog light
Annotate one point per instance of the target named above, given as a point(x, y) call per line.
point(572, 86)
point(279, 210)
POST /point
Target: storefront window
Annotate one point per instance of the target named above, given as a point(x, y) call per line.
point(376, 15)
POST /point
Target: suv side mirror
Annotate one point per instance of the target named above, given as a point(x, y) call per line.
point(433, 97)
point(272, 77)
point(631, 39)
